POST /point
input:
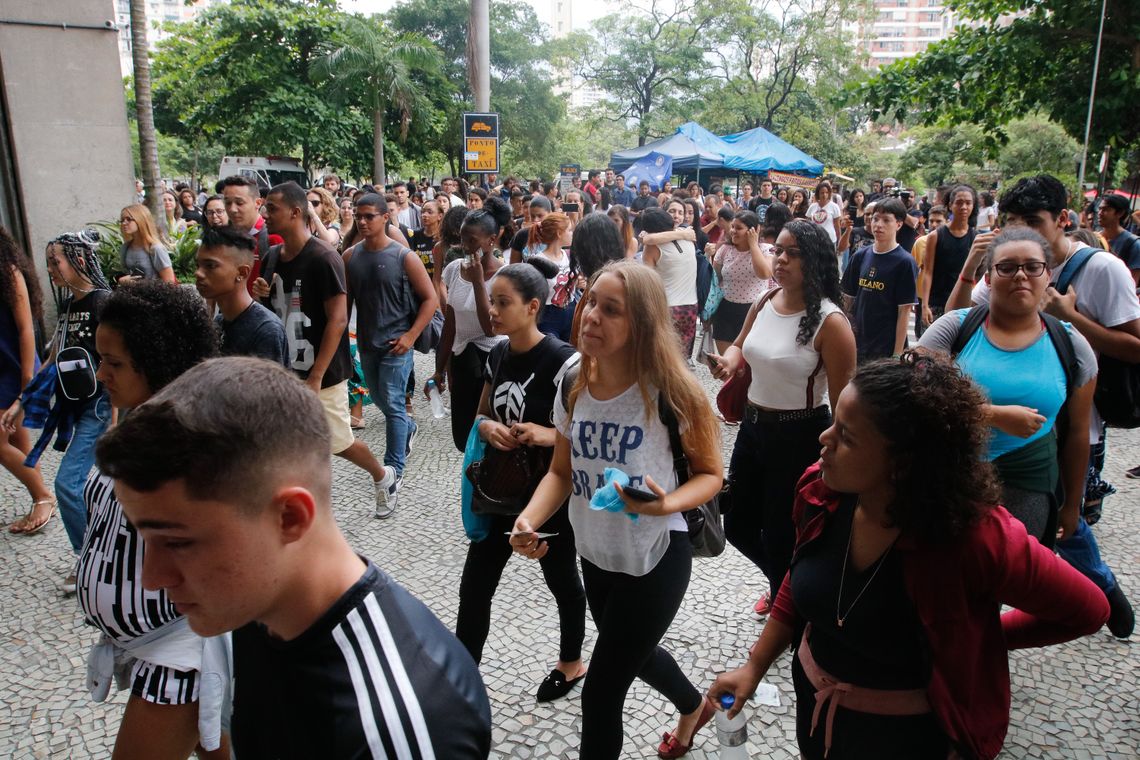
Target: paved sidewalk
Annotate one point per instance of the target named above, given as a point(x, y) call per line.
point(1069, 702)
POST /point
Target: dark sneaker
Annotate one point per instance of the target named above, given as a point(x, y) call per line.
point(1121, 620)
point(1134, 473)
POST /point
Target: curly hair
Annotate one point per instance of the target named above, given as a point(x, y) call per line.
point(13, 259)
point(820, 272)
point(933, 419)
point(164, 327)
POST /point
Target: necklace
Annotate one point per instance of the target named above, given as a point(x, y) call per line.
point(841, 619)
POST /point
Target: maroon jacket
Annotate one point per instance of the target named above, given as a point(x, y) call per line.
point(958, 589)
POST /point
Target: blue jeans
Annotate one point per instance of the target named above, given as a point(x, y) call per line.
point(76, 466)
point(386, 376)
point(1080, 551)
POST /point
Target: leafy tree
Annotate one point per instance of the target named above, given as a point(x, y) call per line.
point(940, 155)
point(651, 58)
point(996, 68)
point(521, 84)
point(241, 75)
point(767, 56)
point(144, 113)
point(1038, 145)
point(373, 57)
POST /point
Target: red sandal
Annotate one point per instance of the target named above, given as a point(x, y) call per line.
point(672, 747)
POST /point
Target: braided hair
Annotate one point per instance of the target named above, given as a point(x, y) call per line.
point(79, 250)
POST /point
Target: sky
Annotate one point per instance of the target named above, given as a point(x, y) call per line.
point(583, 11)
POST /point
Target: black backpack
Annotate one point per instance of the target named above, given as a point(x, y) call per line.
point(1117, 396)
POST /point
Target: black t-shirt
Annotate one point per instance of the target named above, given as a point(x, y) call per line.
point(526, 384)
point(760, 206)
point(880, 283)
point(376, 672)
point(255, 332)
point(642, 202)
point(422, 243)
point(300, 288)
point(949, 257)
point(907, 234)
point(192, 215)
point(518, 242)
point(83, 319)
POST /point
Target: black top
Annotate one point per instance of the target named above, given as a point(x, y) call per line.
point(527, 383)
point(255, 332)
point(907, 234)
point(377, 671)
point(192, 215)
point(422, 243)
point(949, 256)
point(82, 320)
point(300, 289)
point(642, 202)
point(881, 644)
point(518, 242)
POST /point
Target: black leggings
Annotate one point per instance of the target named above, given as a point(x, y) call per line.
point(767, 462)
point(466, 382)
point(484, 567)
point(632, 615)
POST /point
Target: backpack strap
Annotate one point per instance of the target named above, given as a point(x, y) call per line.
point(1072, 266)
point(1063, 344)
point(568, 379)
point(495, 358)
point(975, 318)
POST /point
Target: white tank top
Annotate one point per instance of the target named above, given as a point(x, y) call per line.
point(678, 269)
point(781, 367)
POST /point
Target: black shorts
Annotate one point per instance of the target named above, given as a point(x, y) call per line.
point(729, 320)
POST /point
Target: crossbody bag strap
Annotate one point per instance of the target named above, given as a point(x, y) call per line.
point(810, 403)
point(669, 419)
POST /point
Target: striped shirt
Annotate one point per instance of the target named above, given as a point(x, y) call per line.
point(109, 572)
point(377, 676)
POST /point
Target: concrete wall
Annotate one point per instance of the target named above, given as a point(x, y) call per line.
point(67, 119)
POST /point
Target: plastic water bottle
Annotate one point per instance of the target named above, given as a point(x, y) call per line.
point(731, 734)
point(438, 410)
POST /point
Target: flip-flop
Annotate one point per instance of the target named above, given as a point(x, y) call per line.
point(18, 528)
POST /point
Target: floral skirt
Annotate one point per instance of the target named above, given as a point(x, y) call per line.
point(685, 325)
point(357, 390)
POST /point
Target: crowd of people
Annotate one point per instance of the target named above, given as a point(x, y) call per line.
point(892, 497)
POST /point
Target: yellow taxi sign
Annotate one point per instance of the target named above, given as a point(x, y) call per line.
point(481, 143)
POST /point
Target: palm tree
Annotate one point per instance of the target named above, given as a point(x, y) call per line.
point(148, 142)
point(373, 56)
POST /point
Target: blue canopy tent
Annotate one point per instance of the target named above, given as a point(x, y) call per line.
point(755, 151)
point(686, 154)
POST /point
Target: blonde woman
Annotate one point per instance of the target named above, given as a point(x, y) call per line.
point(143, 255)
point(323, 216)
point(172, 210)
point(636, 571)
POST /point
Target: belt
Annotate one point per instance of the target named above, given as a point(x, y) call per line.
point(754, 414)
point(857, 698)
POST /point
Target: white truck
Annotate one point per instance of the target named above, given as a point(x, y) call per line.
point(267, 171)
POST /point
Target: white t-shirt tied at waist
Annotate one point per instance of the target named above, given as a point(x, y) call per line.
point(780, 366)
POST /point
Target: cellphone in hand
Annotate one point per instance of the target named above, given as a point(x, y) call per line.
point(638, 495)
point(569, 207)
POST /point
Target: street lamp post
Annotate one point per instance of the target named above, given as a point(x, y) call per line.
point(479, 54)
point(1092, 98)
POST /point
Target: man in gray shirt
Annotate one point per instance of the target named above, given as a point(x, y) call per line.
point(247, 328)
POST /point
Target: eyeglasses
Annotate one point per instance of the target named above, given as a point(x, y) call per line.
point(791, 250)
point(315, 204)
point(1009, 268)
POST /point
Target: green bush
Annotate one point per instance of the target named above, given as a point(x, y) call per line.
point(182, 246)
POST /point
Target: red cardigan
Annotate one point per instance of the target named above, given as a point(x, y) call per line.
point(958, 589)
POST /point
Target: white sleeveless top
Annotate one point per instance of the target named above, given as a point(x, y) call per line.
point(780, 366)
point(678, 269)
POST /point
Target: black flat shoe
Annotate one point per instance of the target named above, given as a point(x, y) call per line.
point(555, 686)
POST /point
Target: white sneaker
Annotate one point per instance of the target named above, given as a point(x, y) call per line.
point(386, 489)
point(68, 585)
